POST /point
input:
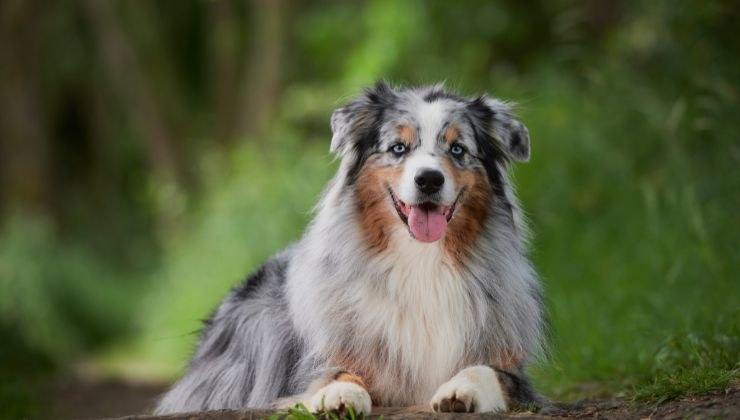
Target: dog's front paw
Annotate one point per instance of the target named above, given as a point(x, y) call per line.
point(473, 390)
point(337, 396)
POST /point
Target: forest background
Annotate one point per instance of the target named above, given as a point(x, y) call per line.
point(153, 153)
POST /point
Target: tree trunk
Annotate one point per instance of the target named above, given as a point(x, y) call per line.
point(136, 93)
point(263, 68)
point(25, 169)
point(224, 66)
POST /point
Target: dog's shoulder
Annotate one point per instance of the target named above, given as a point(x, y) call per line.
point(270, 274)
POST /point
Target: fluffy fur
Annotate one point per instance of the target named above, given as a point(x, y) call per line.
point(365, 306)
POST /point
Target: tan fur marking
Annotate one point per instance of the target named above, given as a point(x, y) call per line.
point(363, 368)
point(375, 208)
point(406, 133)
point(348, 377)
point(471, 212)
point(451, 134)
point(508, 361)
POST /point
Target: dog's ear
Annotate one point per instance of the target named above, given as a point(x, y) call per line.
point(494, 119)
point(353, 122)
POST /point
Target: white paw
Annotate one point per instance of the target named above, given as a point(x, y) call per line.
point(336, 396)
point(473, 390)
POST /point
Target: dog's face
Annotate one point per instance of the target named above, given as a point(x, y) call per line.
point(426, 160)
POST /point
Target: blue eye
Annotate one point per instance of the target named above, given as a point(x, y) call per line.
point(398, 149)
point(457, 150)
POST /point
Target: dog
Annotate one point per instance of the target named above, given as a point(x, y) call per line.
point(412, 284)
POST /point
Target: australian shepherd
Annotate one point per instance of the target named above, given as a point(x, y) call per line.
point(412, 285)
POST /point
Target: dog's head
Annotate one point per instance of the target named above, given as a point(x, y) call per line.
point(425, 159)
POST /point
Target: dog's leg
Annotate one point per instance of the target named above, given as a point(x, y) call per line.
point(344, 390)
point(333, 393)
point(475, 389)
point(518, 391)
point(482, 389)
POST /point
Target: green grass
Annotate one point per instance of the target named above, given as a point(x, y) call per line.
point(636, 239)
point(691, 362)
point(297, 412)
point(300, 412)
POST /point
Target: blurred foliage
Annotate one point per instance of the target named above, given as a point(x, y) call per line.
point(153, 153)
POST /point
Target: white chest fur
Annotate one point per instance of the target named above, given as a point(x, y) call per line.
point(422, 310)
point(405, 313)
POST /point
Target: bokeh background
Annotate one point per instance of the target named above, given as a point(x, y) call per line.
point(152, 153)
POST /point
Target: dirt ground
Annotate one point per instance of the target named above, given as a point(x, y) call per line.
point(89, 400)
point(115, 399)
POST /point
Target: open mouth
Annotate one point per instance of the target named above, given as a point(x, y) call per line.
point(426, 221)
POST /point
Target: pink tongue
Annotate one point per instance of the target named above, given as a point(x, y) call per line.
point(427, 225)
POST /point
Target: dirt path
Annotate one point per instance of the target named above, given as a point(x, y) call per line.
point(124, 400)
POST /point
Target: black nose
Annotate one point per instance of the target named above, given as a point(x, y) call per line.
point(429, 181)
